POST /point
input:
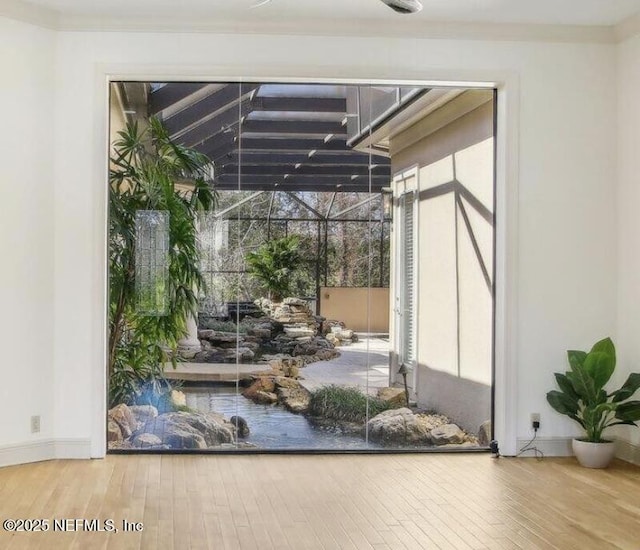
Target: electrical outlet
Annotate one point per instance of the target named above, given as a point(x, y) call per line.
point(35, 424)
point(535, 420)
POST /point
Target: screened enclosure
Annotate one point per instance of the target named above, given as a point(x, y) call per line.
point(267, 264)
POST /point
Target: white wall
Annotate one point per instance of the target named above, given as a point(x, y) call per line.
point(628, 341)
point(566, 258)
point(26, 237)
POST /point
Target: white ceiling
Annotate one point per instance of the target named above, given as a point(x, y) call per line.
point(563, 12)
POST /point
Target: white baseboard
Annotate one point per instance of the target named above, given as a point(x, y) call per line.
point(561, 446)
point(627, 451)
point(550, 446)
point(44, 449)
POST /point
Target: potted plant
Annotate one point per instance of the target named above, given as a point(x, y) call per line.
point(582, 397)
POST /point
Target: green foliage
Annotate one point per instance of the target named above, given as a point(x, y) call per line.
point(150, 172)
point(224, 326)
point(344, 404)
point(582, 396)
point(274, 263)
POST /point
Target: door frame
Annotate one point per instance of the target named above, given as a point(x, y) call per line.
point(506, 169)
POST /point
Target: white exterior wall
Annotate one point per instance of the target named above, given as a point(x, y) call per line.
point(453, 372)
point(565, 97)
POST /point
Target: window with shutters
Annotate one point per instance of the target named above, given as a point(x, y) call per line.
point(407, 269)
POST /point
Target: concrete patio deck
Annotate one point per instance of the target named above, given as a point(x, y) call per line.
point(364, 364)
point(215, 372)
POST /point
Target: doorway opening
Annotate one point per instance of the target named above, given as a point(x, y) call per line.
point(303, 267)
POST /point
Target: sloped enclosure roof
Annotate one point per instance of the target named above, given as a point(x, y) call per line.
point(289, 137)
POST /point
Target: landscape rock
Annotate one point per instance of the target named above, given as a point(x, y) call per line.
point(142, 413)
point(284, 382)
point(296, 400)
point(114, 434)
point(190, 430)
point(146, 440)
point(265, 398)
point(242, 428)
point(264, 333)
point(239, 354)
point(122, 415)
point(447, 434)
point(178, 398)
point(399, 427)
point(291, 301)
point(484, 434)
point(394, 397)
point(216, 336)
point(263, 384)
point(296, 331)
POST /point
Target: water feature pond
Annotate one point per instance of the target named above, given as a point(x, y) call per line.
point(272, 426)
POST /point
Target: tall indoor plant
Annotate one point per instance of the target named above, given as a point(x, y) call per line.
point(150, 172)
point(582, 398)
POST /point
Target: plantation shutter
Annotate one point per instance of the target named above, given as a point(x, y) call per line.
point(408, 280)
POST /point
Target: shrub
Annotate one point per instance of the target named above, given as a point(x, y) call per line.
point(344, 404)
point(223, 326)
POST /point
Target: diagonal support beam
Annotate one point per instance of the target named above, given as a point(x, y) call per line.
point(353, 207)
point(302, 203)
point(239, 204)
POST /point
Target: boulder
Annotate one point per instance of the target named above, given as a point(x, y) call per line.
point(122, 415)
point(146, 440)
point(253, 346)
point(296, 331)
point(190, 430)
point(263, 384)
point(398, 427)
point(178, 398)
point(394, 397)
point(291, 301)
point(484, 434)
point(114, 434)
point(216, 336)
point(142, 413)
point(432, 421)
point(239, 354)
point(264, 333)
point(447, 434)
point(242, 428)
point(296, 400)
point(283, 382)
point(265, 398)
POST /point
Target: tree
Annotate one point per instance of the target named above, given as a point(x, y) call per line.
point(150, 172)
point(274, 263)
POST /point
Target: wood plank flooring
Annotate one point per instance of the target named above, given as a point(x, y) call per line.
point(351, 502)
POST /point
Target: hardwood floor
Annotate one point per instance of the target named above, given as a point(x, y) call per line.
point(326, 502)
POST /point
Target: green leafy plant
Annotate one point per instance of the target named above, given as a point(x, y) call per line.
point(582, 396)
point(150, 172)
point(273, 265)
point(344, 404)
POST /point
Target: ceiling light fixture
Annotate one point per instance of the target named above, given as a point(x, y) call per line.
point(261, 3)
point(404, 6)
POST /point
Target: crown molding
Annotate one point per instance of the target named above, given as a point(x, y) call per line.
point(628, 28)
point(51, 19)
point(30, 13)
point(341, 27)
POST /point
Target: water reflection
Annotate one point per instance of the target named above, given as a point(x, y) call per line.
point(272, 427)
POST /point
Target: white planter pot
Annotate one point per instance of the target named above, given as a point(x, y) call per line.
point(593, 455)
